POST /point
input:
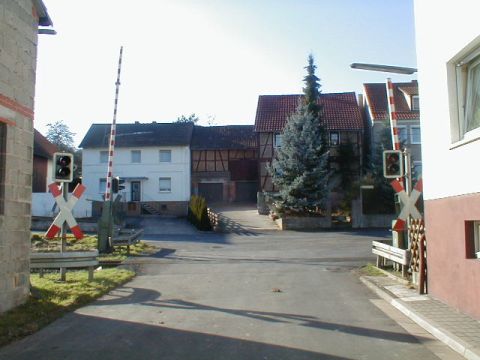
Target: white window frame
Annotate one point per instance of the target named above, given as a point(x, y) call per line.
point(458, 71)
point(338, 138)
point(277, 140)
point(103, 156)
point(403, 128)
point(411, 134)
point(132, 159)
point(169, 190)
point(169, 152)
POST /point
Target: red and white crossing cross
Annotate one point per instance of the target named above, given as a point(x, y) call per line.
point(65, 213)
point(408, 203)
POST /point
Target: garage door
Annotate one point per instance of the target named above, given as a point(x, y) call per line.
point(212, 192)
point(246, 191)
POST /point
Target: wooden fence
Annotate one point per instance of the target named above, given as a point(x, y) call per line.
point(418, 247)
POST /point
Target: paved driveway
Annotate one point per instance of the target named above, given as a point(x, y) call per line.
point(278, 295)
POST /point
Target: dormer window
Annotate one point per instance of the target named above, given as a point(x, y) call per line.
point(415, 102)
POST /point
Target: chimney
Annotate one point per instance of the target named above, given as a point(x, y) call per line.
point(360, 100)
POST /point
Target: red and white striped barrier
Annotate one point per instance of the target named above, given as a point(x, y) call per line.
point(65, 213)
point(111, 146)
point(408, 203)
point(393, 115)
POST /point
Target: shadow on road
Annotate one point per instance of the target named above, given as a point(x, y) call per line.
point(132, 340)
point(148, 297)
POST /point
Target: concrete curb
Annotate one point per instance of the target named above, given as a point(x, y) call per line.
point(454, 342)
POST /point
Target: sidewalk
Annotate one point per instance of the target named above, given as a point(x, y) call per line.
point(453, 328)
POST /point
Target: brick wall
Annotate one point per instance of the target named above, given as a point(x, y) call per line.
point(18, 39)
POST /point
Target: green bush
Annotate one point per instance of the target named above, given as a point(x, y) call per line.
point(197, 213)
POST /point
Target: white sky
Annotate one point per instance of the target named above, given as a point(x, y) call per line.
point(209, 57)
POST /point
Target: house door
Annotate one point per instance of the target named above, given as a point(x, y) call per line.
point(135, 191)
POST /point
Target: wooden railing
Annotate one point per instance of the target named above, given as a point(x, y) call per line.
point(71, 259)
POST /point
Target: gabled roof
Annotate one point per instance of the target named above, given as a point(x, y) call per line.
point(43, 17)
point(223, 137)
point(42, 147)
point(376, 96)
point(341, 111)
point(139, 135)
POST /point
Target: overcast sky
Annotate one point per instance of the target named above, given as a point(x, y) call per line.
point(209, 57)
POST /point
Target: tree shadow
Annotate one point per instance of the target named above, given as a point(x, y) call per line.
point(148, 297)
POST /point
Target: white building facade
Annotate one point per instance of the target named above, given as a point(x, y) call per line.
point(155, 170)
point(448, 50)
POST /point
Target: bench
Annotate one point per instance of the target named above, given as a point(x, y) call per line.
point(388, 252)
point(126, 238)
point(72, 259)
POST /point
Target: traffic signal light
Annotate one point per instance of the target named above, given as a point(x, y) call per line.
point(63, 167)
point(117, 184)
point(393, 164)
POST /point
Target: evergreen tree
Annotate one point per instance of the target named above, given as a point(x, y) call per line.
point(300, 166)
point(312, 88)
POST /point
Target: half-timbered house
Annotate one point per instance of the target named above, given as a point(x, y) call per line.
point(224, 163)
point(344, 125)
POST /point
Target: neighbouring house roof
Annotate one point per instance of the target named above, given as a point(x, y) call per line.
point(223, 137)
point(341, 111)
point(139, 135)
point(43, 17)
point(377, 100)
point(42, 147)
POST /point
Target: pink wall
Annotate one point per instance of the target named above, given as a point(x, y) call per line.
point(452, 278)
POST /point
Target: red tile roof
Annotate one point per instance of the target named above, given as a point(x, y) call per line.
point(340, 109)
point(376, 96)
point(42, 147)
point(223, 137)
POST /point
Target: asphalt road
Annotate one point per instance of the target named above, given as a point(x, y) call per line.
point(271, 295)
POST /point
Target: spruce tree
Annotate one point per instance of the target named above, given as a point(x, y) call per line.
point(300, 166)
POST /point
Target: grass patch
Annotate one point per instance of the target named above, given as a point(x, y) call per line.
point(370, 270)
point(54, 299)
point(39, 243)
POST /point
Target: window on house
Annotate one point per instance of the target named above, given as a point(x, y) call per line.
point(334, 138)
point(465, 88)
point(278, 140)
point(165, 155)
point(165, 184)
point(415, 137)
point(402, 134)
point(415, 102)
point(472, 236)
point(136, 156)
point(103, 157)
point(102, 186)
point(476, 237)
point(3, 170)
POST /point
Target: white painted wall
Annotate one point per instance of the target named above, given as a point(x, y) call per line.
point(443, 29)
point(42, 205)
point(150, 167)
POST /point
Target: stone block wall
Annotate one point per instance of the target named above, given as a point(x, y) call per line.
point(18, 44)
